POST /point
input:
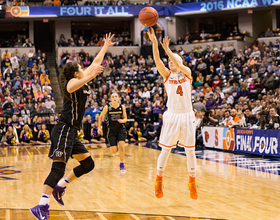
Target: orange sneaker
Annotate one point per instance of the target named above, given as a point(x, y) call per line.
point(193, 192)
point(158, 189)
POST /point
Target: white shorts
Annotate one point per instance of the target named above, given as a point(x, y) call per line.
point(178, 127)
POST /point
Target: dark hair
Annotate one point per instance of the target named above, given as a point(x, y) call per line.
point(68, 73)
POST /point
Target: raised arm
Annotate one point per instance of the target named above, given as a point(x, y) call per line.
point(100, 56)
point(105, 110)
point(74, 83)
point(163, 71)
point(185, 70)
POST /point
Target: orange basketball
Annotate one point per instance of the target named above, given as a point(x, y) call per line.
point(148, 16)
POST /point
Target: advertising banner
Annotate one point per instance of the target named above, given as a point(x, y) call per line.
point(261, 142)
point(133, 10)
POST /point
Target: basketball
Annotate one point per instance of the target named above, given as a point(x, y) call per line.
point(148, 16)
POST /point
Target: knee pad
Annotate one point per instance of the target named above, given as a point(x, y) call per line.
point(85, 166)
point(57, 172)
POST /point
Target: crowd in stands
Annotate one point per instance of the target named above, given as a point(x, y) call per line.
point(19, 41)
point(230, 88)
point(228, 33)
point(122, 39)
point(14, 2)
point(26, 98)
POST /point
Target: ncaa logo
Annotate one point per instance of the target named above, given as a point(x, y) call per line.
point(58, 153)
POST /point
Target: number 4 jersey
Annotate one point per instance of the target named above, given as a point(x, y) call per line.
point(179, 92)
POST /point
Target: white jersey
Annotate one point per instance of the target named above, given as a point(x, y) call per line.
point(179, 92)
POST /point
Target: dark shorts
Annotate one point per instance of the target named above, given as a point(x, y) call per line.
point(25, 141)
point(116, 134)
point(97, 137)
point(65, 142)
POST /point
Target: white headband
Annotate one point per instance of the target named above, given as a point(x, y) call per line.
point(178, 58)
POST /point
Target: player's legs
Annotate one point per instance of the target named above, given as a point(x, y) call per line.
point(121, 150)
point(86, 165)
point(121, 136)
point(41, 211)
point(77, 150)
point(187, 140)
point(59, 152)
point(162, 160)
point(161, 164)
point(168, 139)
point(114, 149)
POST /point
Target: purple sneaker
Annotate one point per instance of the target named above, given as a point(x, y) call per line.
point(41, 212)
point(122, 169)
point(58, 192)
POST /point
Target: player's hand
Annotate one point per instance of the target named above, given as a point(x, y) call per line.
point(165, 43)
point(99, 131)
point(98, 69)
point(152, 36)
point(120, 121)
point(108, 40)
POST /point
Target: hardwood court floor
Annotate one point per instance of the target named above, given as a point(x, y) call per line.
point(225, 191)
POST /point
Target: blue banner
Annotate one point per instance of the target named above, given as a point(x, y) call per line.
point(262, 142)
point(133, 10)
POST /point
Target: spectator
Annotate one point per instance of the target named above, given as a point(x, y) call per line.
point(187, 40)
point(250, 118)
point(250, 62)
point(235, 32)
point(268, 81)
point(203, 35)
point(217, 82)
point(199, 106)
point(27, 43)
point(234, 118)
point(49, 102)
point(272, 68)
point(180, 41)
point(268, 33)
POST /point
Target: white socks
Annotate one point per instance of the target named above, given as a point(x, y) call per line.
point(45, 199)
point(191, 160)
point(162, 159)
point(64, 182)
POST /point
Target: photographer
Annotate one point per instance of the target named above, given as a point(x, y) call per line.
point(208, 119)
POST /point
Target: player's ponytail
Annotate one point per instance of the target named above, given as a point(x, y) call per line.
point(68, 73)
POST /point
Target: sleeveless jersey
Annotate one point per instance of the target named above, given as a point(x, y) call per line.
point(114, 114)
point(179, 92)
point(73, 111)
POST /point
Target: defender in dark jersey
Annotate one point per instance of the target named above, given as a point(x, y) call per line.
point(64, 138)
point(116, 134)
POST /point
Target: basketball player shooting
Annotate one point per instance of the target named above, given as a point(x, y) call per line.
point(179, 119)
